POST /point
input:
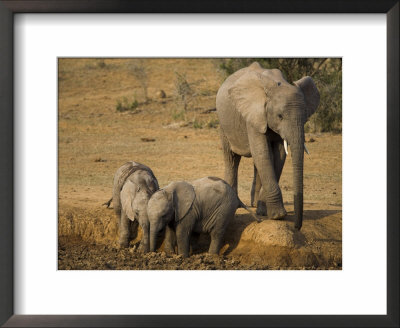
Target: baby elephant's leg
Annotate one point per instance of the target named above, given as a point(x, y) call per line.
point(133, 229)
point(227, 212)
point(170, 240)
point(145, 242)
point(124, 230)
point(216, 241)
point(217, 235)
point(183, 240)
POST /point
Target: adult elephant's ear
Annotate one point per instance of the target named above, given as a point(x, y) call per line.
point(183, 197)
point(248, 95)
point(311, 94)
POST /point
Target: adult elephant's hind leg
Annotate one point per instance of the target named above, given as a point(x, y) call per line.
point(231, 161)
point(255, 188)
point(255, 194)
point(279, 158)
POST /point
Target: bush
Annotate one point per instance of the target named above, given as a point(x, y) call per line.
point(178, 115)
point(197, 124)
point(183, 90)
point(101, 63)
point(212, 123)
point(326, 73)
point(140, 71)
point(126, 105)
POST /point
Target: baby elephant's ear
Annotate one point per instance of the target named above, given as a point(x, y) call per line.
point(183, 198)
point(311, 94)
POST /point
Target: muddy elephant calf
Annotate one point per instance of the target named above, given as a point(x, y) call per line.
point(205, 205)
point(134, 183)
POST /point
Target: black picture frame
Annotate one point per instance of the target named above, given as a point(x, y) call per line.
point(7, 11)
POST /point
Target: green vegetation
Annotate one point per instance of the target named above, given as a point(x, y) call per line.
point(212, 123)
point(178, 115)
point(124, 104)
point(326, 73)
point(197, 124)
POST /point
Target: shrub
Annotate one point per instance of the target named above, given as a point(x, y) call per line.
point(197, 124)
point(212, 123)
point(178, 115)
point(140, 72)
point(126, 105)
point(183, 90)
point(101, 63)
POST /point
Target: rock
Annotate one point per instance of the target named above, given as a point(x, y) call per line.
point(148, 139)
point(160, 94)
point(270, 233)
point(175, 125)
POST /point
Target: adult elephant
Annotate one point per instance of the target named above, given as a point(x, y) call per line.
point(260, 114)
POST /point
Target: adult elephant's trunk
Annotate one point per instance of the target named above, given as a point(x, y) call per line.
point(153, 239)
point(297, 152)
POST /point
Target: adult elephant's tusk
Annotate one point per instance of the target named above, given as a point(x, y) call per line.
point(285, 145)
point(305, 148)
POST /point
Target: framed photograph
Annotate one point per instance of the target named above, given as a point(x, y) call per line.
point(214, 164)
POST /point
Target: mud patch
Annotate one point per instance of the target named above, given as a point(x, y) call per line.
point(79, 255)
point(88, 241)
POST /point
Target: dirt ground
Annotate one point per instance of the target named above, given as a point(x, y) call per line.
point(95, 139)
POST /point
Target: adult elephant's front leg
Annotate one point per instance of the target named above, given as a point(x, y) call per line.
point(262, 154)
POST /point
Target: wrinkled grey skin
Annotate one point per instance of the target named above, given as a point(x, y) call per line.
point(205, 205)
point(134, 183)
point(257, 110)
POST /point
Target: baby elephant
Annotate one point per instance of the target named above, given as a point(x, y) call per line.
point(134, 183)
point(205, 205)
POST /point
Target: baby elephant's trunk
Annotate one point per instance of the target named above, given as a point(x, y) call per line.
point(242, 205)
